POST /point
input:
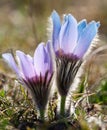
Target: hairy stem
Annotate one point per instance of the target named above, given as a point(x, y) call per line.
point(62, 106)
point(42, 114)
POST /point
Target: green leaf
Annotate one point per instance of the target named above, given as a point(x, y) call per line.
point(2, 93)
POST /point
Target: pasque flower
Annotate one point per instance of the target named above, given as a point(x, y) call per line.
point(71, 41)
point(34, 72)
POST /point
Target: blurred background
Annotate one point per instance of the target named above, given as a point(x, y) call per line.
point(23, 23)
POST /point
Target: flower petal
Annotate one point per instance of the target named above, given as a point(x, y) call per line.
point(65, 18)
point(8, 57)
point(81, 25)
point(56, 29)
point(40, 60)
point(85, 39)
point(68, 35)
point(26, 65)
point(98, 24)
point(49, 57)
point(30, 58)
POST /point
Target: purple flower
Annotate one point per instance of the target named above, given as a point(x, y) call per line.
point(34, 72)
point(70, 42)
point(72, 38)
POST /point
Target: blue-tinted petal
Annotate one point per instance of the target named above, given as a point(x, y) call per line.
point(40, 61)
point(98, 24)
point(8, 57)
point(68, 35)
point(49, 57)
point(56, 29)
point(81, 25)
point(65, 18)
point(85, 39)
point(26, 65)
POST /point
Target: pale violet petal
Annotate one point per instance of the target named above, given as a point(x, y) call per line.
point(25, 65)
point(40, 61)
point(68, 35)
point(85, 39)
point(56, 29)
point(8, 57)
point(61, 34)
point(30, 58)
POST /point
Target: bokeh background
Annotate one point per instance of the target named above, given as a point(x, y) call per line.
point(23, 23)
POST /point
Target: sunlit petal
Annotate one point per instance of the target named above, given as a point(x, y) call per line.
point(26, 65)
point(8, 57)
point(81, 25)
point(40, 60)
point(68, 35)
point(56, 29)
point(85, 39)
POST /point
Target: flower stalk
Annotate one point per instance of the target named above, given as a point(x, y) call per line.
point(42, 114)
point(62, 106)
